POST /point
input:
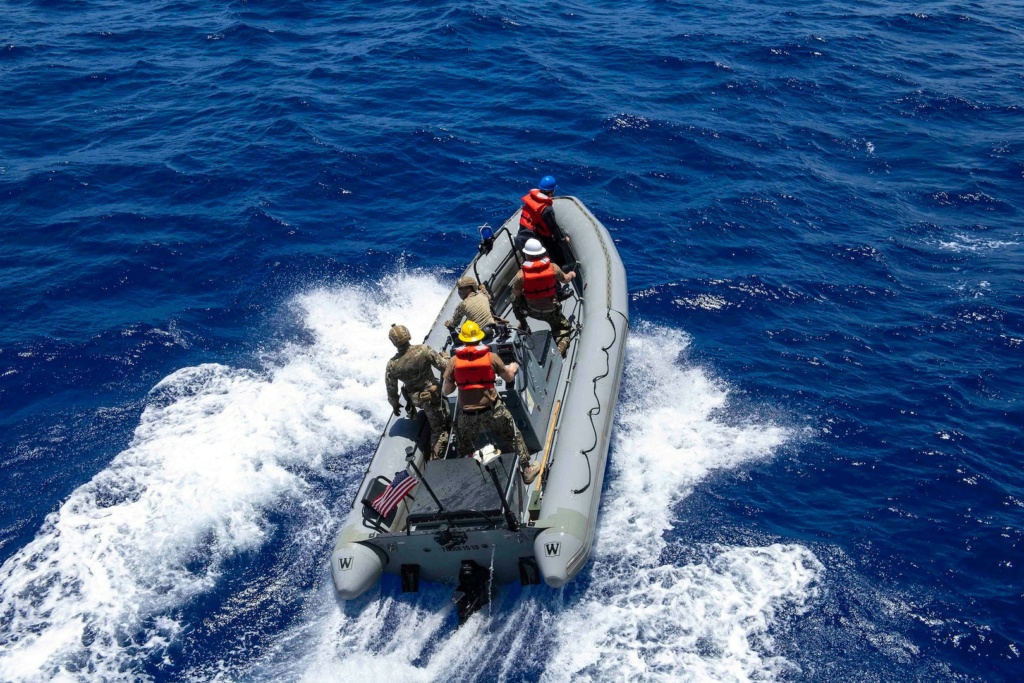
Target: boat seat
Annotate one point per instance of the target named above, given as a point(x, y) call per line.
point(466, 492)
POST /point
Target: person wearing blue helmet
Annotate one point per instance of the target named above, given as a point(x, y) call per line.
point(537, 221)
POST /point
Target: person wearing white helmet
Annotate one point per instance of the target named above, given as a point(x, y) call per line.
point(535, 293)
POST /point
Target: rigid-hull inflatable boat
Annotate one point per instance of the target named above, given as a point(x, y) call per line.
point(471, 521)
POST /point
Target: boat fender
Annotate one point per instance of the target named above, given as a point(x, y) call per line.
point(354, 568)
point(559, 546)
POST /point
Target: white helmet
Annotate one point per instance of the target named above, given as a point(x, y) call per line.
point(533, 247)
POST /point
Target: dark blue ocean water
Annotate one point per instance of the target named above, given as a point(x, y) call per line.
point(211, 213)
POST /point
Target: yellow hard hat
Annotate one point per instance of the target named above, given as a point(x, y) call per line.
point(470, 332)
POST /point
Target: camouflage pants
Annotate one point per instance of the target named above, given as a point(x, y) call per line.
point(560, 327)
point(438, 415)
point(469, 427)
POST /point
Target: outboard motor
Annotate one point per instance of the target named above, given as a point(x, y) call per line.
point(474, 590)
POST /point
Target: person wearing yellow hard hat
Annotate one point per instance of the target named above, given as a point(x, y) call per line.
point(474, 370)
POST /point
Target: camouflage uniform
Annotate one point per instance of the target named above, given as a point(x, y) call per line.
point(469, 427)
point(412, 366)
point(472, 423)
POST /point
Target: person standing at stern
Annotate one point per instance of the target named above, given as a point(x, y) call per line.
point(412, 365)
point(473, 370)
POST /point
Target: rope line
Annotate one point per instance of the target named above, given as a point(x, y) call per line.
point(595, 411)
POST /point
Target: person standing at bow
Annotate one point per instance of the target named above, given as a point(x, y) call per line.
point(412, 365)
point(535, 293)
point(537, 221)
point(473, 370)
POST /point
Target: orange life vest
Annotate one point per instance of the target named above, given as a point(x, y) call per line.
point(534, 204)
point(473, 368)
point(539, 279)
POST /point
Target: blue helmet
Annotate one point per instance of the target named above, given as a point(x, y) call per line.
point(548, 182)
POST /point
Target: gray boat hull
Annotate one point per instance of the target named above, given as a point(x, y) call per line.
point(564, 409)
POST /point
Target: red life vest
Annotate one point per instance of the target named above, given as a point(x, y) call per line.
point(473, 368)
point(539, 279)
point(534, 204)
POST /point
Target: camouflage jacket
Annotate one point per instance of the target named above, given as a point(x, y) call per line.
point(412, 366)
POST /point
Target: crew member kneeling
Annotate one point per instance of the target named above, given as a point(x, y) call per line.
point(535, 293)
point(475, 305)
point(473, 369)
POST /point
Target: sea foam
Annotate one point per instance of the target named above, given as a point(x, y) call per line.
point(105, 587)
point(640, 615)
point(102, 587)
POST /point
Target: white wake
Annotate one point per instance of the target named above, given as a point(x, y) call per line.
point(218, 450)
point(102, 589)
point(641, 616)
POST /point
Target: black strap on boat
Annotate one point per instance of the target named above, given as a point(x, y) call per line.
point(510, 519)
